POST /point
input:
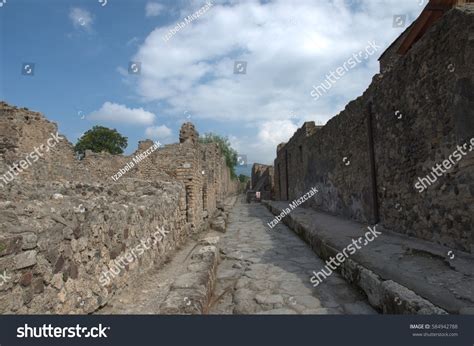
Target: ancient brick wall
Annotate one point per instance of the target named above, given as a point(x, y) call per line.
point(418, 112)
point(65, 222)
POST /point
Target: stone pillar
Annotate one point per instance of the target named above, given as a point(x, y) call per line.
point(188, 134)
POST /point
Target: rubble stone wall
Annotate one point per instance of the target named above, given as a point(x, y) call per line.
point(67, 229)
point(419, 112)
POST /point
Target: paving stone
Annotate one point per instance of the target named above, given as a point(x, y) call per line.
point(262, 285)
point(309, 302)
point(291, 288)
point(227, 274)
point(269, 299)
point(242, 282)
point(277, 279)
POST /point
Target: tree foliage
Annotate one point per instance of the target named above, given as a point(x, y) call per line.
point(243, 178)
point(100, 139)
point(229, 153)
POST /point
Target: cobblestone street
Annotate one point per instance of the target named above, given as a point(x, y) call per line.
point(268, 271)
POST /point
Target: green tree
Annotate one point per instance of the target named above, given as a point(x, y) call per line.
point(243, 178)
point(100, 139)
point(229, 153)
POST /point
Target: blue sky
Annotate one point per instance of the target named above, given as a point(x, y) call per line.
point(81, 52)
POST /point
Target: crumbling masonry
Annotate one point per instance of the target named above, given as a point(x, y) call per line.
point(64, 221)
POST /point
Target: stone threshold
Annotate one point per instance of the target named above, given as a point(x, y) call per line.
point(399, 274)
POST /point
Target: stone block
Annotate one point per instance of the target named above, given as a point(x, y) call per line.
point(25, 259)
point(219, 224)
point(29, 241)
point(10, 245)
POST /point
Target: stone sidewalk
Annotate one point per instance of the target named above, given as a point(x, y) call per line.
point(267, 271)
point(399, 274)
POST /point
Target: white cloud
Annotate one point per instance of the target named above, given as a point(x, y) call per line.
point(81, 19)
point(288, 46)
point(154, 9)
point(113, 112)
point(158, 132)
point(262, 147)
point(276, 132)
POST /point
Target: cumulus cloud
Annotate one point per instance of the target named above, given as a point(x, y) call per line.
point(288, 47)
point(81, 19)
point(116, 113)
point(276, 132)
point(158, 132)
point(153, 9)
point(262, 147)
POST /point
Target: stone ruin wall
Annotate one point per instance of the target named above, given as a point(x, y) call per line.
point(21, 131)
point(262, 180)
point(436, 104)
point(63, 222)
point(213, 170)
